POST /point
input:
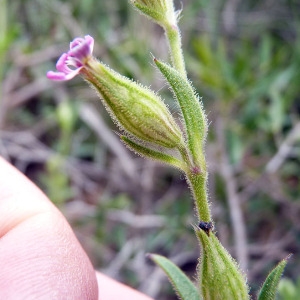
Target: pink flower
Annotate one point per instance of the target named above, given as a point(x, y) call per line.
point(70, 63)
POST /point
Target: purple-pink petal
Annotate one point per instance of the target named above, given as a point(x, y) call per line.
point(90, 41)
point(60, 76)
point(87, 39)
point(80, 50)
point(61, 64)
point(77, 41)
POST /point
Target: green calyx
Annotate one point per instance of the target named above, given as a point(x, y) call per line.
point(136, 109)
point(154, 154)
point(159, 11)
point(219, 275)
point(162, 12)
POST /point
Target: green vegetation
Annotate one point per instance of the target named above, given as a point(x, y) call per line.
point(244, 60)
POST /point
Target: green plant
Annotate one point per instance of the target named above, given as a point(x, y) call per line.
point(149, 129)
point(289, 290)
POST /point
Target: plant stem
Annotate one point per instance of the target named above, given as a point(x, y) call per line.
point(174, 39)
point(196, 178)
point(197, 184)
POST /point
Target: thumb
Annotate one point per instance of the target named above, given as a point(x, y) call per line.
point(40, 258)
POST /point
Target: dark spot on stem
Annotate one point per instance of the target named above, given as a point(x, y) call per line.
point(206, 227)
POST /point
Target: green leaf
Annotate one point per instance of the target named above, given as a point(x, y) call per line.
point(183, 286)
point(156, 155)
point(191, 108)
point(269, 288)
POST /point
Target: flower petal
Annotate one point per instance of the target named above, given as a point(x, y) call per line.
point(90, 41)
point(81, 48)
point(61, 76)
point(61, 64)
point(70, 63)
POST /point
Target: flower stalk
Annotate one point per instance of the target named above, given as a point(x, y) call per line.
point(198, 183)
point(174, 39)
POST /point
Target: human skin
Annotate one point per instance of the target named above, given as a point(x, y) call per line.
point(40, 257)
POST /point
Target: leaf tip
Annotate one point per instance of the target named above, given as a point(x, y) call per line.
point(150, 256)
point(288, 257)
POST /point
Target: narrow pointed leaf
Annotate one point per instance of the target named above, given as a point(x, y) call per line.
point(150, 153)
point(183, 286)
point(269, 288)
point(191, 107)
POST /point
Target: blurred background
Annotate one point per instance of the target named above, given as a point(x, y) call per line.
point(244, 60)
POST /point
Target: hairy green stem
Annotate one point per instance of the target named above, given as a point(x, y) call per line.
point(196, 178)
point(197, 182)
point(174, 39)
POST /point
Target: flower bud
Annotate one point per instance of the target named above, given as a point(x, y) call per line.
point(219, 276)
point(136, 109)
point(160, 11)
